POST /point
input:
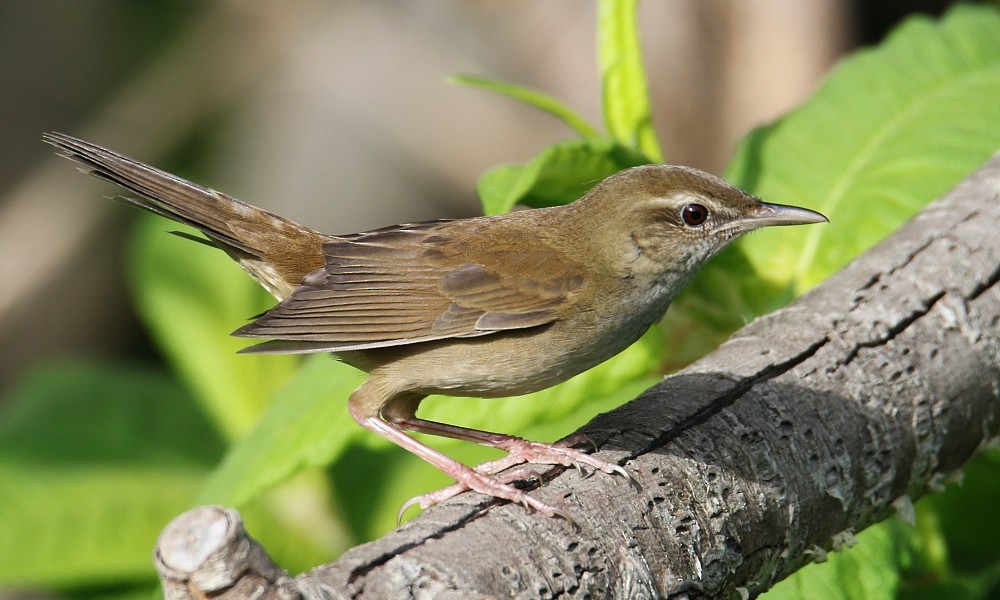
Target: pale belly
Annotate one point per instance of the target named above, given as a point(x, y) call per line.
point(508, 363)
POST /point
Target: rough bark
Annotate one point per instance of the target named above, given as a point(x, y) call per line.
point(808, 424)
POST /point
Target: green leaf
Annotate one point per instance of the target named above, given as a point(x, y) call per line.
point(624, 92)
point(94, 460)
point(191, 298)
point(531, 97)
point(890, 130)
point(85, 525)
point(971, 542)
point(307, 425)
point(559, 174)
point(866, 571)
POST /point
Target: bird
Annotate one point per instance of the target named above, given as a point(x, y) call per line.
point(490, 306)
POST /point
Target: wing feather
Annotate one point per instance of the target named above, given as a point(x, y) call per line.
point(416, 283)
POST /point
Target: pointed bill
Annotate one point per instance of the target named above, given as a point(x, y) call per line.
point(781, 214)
point(768, 214)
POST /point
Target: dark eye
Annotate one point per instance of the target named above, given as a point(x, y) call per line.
point(694, 214)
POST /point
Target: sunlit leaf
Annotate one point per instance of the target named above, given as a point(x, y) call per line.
point(868, 570)
point(94, 460)
point(192, 297)
point(307, 425)
point(624, 91)
point(891, 129)
point(531, 97)
point(560, 174)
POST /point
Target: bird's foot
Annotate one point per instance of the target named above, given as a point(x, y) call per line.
point(520, 452)
point(498, 486)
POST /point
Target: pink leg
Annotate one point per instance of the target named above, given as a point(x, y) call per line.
point(519, 449)
point(464, 475)
point(492, 467)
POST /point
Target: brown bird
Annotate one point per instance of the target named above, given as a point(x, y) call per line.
point(489, 306)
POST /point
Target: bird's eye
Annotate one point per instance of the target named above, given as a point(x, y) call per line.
point(694, 214)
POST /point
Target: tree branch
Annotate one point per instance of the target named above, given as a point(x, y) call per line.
point(809, 424)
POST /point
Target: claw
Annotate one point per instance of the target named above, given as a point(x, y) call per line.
point(531, 474)
point(514, 495)
point(416, 500)
point(495, 477)
point(565, 516)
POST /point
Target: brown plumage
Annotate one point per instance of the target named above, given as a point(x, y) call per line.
point(418, 283)
point(275, 251)
point(490, 306)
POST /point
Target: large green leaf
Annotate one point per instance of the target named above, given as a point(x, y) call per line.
point(623, 78)
point(866, 571)
point(890, 129)
point(958, 535)
point(94, 460)
point(307, 425)
point(192, 297)
point(560, 174)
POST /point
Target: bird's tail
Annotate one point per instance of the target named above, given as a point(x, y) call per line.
point(275, 251)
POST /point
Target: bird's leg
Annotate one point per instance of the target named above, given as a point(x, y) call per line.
point(519, 450)
point(381, 418)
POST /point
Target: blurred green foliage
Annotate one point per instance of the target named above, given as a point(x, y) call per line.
point(95, 458)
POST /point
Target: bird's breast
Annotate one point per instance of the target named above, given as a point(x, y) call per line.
point(517, 362)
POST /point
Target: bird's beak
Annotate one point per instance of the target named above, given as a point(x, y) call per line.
point(780, 214)
point(773, 214)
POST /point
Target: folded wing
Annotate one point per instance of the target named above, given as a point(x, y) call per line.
point(416, 283)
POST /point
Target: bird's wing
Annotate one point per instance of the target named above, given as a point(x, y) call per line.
point(420, 282)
